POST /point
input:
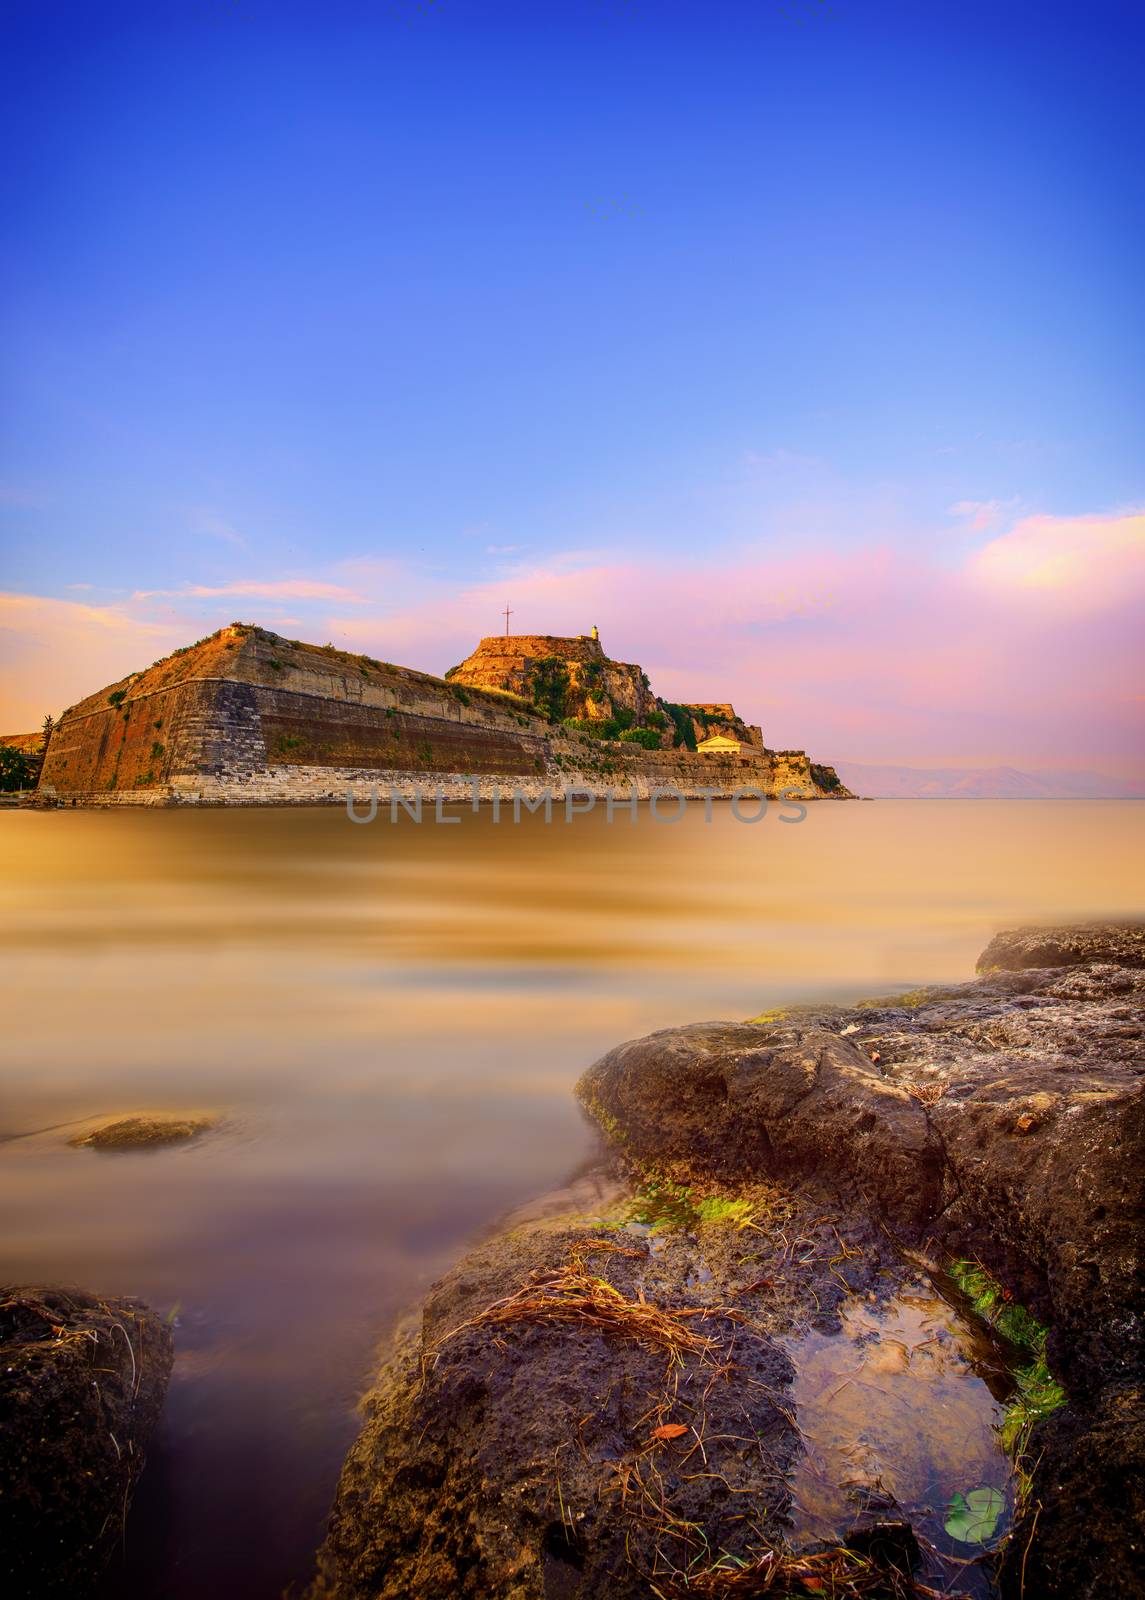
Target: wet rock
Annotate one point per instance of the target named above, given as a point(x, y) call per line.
point(731, 1100)
point(1084, 1533)
point(1122, 943)
point(142, 1133)
point(888, 1543)
point(522, 1459)
point(1028, 1084)
point(82, 1382)
point(1003, 1117)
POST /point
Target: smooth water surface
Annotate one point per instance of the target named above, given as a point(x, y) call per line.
point(390, 1020)
point(900, 1410)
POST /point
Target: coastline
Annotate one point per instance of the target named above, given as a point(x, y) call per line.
point(882, 1137)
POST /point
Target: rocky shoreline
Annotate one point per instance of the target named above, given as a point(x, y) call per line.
point(602, 1402)
point(852, 1308)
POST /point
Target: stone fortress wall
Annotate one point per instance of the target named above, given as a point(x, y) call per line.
point(248, 717)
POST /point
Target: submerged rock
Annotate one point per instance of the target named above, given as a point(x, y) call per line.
point(82, 1382)
point(142, 1133)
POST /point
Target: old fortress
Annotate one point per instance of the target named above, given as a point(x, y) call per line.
point(247, 717)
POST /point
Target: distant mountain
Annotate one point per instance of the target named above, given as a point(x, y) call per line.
point(982, 783)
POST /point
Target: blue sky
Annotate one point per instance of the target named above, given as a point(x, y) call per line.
point(460, 293)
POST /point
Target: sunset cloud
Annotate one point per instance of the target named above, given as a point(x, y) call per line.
point(1026, 652)
point(53, 652)
point(279, 589)
point(286, 589)
point(1078, 562)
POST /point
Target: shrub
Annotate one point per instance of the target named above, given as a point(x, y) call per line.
point(648, 738)
point(595, 727)
point(17, 769)
point(550, 687)
point(685, 731)
point(117, 697)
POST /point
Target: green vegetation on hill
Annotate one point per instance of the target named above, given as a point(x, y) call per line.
point(550, 686)
point(685, 730)
point(614, 727)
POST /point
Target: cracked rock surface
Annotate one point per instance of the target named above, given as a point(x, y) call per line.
point(1003, 1117)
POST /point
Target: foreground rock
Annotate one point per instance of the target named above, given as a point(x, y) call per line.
point(615, 1403)
point(1003, 1117)
point(577, 1400)
point(82, 1382)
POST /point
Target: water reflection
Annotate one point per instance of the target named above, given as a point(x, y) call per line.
point(899, 1412)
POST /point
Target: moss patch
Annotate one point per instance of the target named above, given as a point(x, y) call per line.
point(1037, 1392)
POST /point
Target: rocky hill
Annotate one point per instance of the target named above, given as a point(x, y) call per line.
point(572, 680)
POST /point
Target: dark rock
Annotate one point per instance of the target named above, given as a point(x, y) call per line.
point(517, 1462)
point(731, 1100)
point(1004, 1117)
point(1025, 1147)
point(1122, 943)
point(1084, 1534)
point(82, 1382)
point(889, 1543)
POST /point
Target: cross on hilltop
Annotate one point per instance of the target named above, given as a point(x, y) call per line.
point(507, 614)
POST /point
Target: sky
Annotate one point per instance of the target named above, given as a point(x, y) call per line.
point(795, 343)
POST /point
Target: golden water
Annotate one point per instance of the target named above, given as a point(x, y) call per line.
point(390, 1020)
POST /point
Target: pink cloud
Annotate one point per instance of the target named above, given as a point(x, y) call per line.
point(1027, 653)
point(1072, 563)
point(276, 589)
point(287, 589)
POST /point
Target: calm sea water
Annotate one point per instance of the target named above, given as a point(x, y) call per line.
point(390, 1020)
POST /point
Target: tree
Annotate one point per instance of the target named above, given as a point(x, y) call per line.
point(17, 769)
